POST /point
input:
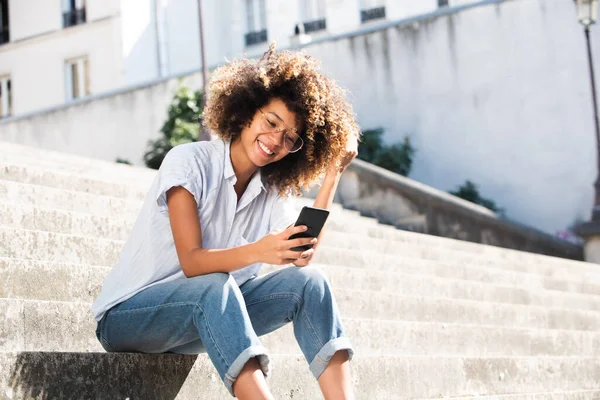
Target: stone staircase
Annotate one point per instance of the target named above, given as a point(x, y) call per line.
point(429, 317)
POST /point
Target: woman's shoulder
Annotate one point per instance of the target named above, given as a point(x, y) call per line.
point(203, 153)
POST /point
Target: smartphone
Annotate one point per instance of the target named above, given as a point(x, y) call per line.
point(314, 219)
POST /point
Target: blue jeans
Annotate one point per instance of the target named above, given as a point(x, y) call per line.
point(211, 313)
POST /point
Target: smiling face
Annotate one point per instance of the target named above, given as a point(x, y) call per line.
point(263, 141)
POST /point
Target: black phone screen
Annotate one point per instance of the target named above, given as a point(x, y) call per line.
point(314, 219)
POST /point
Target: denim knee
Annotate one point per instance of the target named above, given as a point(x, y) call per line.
point(311, 278)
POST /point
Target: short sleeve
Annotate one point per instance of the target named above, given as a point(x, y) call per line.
point(178, 169)
point(284, 213)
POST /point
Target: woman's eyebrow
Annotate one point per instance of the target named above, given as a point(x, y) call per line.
point(279, 118)
point(275, 114)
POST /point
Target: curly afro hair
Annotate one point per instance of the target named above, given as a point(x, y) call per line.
point(238, 89)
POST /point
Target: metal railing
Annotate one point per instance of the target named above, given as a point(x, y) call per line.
point(73, 17)
point(256, 37)
point(372, 13)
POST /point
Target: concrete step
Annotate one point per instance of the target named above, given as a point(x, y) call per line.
point(122, 375)
point(420, 245)
point(68, 326)
point(48, 246)
point(62, 180)
point(568, 395)
point(83, 224)
point(80, 220)
point(26, 172)
point(74, 164)
point(27, 279)
point(556, 268)
point(68, 200)
point(86, 251)
point(380, 305)
point(49, 198)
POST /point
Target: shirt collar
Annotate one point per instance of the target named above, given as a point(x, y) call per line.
point(256, 182)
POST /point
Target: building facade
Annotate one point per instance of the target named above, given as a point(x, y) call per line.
point(53, 52)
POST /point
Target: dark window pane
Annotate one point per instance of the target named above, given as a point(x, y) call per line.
point(372, 13)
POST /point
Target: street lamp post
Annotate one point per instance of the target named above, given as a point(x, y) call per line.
point(587, 14)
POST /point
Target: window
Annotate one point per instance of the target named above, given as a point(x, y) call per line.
point(312, 16)
point(372, 9)
point(256, 22)
point(4, 28)
point(77, 78)
point(442, 3)
point(5, 97)
point(73, 12)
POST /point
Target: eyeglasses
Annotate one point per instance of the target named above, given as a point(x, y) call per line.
point(291, 141)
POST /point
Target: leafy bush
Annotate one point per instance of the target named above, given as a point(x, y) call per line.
point(470, 192)
point(397, 158)
point(122, 161)
point(182, 125)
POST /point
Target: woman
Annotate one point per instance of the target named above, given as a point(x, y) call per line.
point(186, 280)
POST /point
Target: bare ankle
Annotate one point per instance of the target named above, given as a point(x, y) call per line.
point(251, 383)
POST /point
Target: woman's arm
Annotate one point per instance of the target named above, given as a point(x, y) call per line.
point(187, 234)
point(326, 193)
point(274, 248)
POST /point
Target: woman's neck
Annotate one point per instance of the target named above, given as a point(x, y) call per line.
point(242, 166)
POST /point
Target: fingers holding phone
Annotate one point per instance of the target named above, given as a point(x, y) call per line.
point(278, 248)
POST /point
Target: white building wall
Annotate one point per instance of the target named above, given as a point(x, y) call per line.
point(32, 17)
point(36, 65)
point(497, 94)
point(399, 9)
point(139, 44)
point(99, 9)
point(183, 35)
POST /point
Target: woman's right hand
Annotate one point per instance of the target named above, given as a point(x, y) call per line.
point(275, 248)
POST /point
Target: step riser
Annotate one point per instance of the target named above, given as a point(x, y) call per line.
point(571, 395)
point(38, 245)
point(39, 196)
point(106, 227)
point(134, 376)
point(425, 243)
point(23, 279)
point(67, 162)
point(63, 327)
point(69, 182)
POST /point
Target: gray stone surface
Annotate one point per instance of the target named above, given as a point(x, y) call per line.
point(30, 279)
point(84, 375)
point(68, 326)
point(407, 204)
point(429, 317)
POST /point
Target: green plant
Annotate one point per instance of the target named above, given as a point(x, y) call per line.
point(122, 161)
point(182, 125)
point(470, 192)
point(397, 158)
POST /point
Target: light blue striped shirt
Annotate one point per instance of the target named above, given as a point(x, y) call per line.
point(149, 256)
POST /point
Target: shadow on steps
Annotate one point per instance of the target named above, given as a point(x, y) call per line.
point(51, 375)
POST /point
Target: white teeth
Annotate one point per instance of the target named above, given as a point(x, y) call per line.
point(265, 149)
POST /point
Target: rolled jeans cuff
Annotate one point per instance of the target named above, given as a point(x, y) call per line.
point(253, 351)
point(321, 360)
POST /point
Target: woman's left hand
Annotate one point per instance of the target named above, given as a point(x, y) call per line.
point(347, 155)
point(305, 258)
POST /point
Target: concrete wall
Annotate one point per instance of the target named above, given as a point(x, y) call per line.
point(113, 126)
point(410, 205)
point(498, 94)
